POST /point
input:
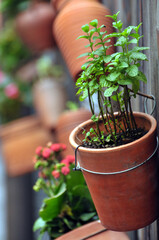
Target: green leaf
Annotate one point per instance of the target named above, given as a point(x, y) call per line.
point(113, 16)
point(109, 91)
point(138, 56)
point(94, 23)
point(83, 55)
point(133, 41)
point(121, 41)
point(85, 65)
point(113, 76)
point(74, 179)
point(87, 216)
point(123, 65)
point(39, 223)
point(125, 81)
point(141, 77)
point(135, 49)
point(52, 206)
point(135, 86)
point(83, 36)
point(132, 71)
point(107, 58)
point(85, 28)
point(103, 81)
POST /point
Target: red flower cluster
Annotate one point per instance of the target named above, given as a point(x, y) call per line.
point(53, 167)
point(65, 170)
point(50, 149)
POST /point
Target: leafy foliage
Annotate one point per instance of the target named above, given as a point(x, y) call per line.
point(68, 204)
point(114, 77)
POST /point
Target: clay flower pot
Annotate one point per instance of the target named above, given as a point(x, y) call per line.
point(34, 26)
point(122, 180)
point(49, 99)
point(67, 121)
point(67, 27)
point(59, 4)
point(19, 139)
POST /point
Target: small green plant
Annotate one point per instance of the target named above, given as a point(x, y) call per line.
point(12, 50)
point(46, 68)
point(114, 77)
point(68, 203)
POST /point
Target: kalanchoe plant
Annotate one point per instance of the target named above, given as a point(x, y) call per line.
point(68, 204)
point(113, 78)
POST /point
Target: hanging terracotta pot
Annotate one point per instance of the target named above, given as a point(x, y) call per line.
point(34, 26)
point(122, 180)
point(49, 98)
point(66, 123)
point(19, 140)
point(67, 27)
point(59, 4)
point(94, 230)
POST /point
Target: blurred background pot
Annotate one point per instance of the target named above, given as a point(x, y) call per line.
point(49, 99)
point(67, 27)
point(34, 26)
point(19, 139)
point(59, 4)
point(49, 93)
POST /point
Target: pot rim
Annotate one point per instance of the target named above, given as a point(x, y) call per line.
point(152, 129)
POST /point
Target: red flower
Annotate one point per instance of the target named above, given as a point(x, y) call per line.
point(66, 162)
point(38, 150)
point(46, 152)
point(65, 170)
point(63, 146)
point(55, 147)
point(55, 174)
point(12, 91)
point(70, 158)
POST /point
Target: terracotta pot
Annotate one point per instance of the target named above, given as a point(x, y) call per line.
point(34, 26)
point(67, 27)
point(125, 200)
point(66, 123)
point(19, 140)
point(49, 99)
point(59, 4)
point(94, 231)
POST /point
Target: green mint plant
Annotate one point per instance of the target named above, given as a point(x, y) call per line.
point(114, 77)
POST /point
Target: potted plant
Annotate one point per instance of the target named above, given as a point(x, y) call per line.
point(68, 204)
point(49, 94)
point(116, 150)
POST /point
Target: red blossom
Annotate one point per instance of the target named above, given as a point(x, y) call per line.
point(66, 162)
point(63, 146)
point(38, 150)
point(55, 174)
point(46, 152)
point(70, 158)
point(12, 91)
point(65, 170)
point(55, 147)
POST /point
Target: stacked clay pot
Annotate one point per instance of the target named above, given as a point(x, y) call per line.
point(59, 4)
point(67, 27)
point(34, 26)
